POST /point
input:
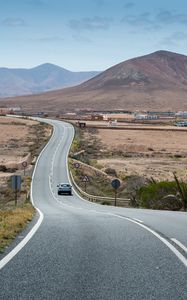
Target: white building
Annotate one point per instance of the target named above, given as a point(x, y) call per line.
point(145, 117)
point(181, 114)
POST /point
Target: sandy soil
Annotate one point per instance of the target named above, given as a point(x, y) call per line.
point(14, 141)
point(136, 141)
point(148, 153)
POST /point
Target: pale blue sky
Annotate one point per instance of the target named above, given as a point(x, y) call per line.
point(88, 34)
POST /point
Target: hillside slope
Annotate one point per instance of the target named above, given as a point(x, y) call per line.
point(40, 79)
point(157, 81)
point(161, 69)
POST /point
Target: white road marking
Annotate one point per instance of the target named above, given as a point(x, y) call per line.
point(31, 233)
point(179, 244)
point(52, 171)
point(169, 245)
point(67, 167)
point(10, 255)
point(134, 220)
point(138, 220)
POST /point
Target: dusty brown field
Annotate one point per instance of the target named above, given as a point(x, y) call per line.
point(14, 144)
point(18, 137)
point(19, 141)
point(146, 153)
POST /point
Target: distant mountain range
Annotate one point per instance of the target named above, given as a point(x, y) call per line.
point(157, 81)
point(40, 79)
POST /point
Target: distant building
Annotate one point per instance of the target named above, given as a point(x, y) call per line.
point(145, 117)
point(162, 113)
point(181, 124)
point(181, 114)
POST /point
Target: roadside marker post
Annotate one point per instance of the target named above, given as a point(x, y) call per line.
point(16, 185)
point(24, 164)
point(115, 184)
point(85, 180)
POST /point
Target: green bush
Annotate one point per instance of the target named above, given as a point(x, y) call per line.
point(154, 196)
point(105, 202)
point(75, 146)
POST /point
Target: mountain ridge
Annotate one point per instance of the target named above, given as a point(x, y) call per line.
point(144, 70)
point(157, 81)
point(42, 78)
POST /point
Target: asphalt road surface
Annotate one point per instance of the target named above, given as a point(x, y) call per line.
point(88, 251)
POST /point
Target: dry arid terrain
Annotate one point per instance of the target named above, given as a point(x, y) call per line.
point(149, 154)
point(19, 140)
point(155, 82)
point(14, 141)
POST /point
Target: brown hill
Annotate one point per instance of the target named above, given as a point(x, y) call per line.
point(160, 69)
point(157, 81)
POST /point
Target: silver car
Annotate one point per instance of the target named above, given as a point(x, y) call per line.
point(64, 188)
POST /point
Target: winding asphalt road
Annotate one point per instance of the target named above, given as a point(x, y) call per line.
point(88, 251)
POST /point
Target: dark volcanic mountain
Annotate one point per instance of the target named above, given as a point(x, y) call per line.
point(157, 81)
point(43, 78)
point(160, 69)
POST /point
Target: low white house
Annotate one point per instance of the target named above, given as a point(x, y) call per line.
point(181, 114)
point(146, 117)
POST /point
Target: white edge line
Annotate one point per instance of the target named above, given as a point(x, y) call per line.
point(50, 181)
point(9, 256)
point(87, 201)
point(138, 220)
point(20, 246)
point(179, 244)
point(163, 240)
point(50, 186)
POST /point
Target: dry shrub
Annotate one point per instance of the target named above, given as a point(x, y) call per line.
point(12, 222)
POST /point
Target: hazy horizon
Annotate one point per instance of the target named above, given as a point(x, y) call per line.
point(47, 63)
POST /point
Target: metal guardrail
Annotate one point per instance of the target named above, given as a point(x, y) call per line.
point(125, 202)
